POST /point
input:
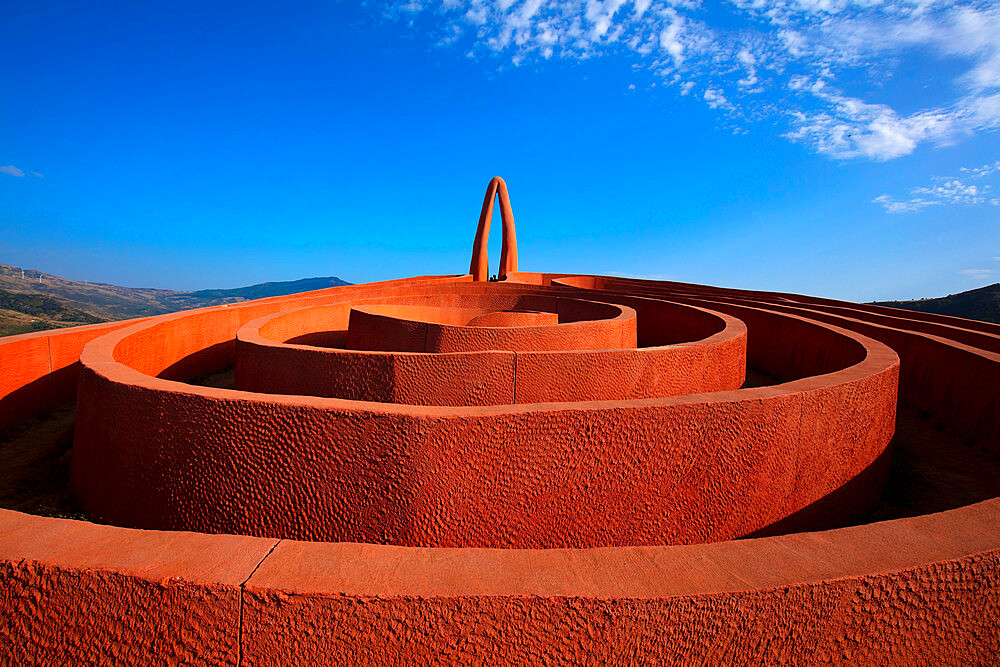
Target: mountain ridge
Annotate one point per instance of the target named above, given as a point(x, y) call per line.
point(33, 301)
point(982, 303)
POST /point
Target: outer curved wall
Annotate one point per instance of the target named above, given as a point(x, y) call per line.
point(38, 371)
point(958, 383)
point(85, 593)
point(78, 593)
point(740, 611)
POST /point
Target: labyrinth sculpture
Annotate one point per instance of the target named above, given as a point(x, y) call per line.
point(539, 468)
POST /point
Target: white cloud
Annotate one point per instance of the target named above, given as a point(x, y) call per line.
point(716, 99)
point(948, 190)
point(954, 192)
point(979, 172)
point(11, 170)
point(906, 206)
point(670, 37)
point(412, 6)
point(476, 15)
point(848, 127)
point(977, 274)
point(822, 64)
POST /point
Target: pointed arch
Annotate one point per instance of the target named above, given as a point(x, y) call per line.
point(480, 267)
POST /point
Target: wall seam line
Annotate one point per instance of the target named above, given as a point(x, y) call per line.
point(239, 631)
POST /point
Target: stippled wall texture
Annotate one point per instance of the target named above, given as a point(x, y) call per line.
point(549, 468)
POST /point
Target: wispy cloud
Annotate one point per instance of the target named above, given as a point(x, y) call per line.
point(16, 172)
point(789, 60)
point(955, 191)
point(985, 170)
point(977, 274)
point(905, 206)
point(947, 190)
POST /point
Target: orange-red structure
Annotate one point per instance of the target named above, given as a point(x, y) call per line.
point(551, 467)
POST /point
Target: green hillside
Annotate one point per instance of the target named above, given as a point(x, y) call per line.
point(23, 313)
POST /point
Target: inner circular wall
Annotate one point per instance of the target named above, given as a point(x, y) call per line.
point(675, 470)
point(496, 377)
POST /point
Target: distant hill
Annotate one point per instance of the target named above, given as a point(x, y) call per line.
point(32, 301)
point(212, 297)
point(108, 302)
point(24, 313)
point(977, 304)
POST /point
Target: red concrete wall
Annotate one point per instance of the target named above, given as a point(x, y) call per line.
point(680, 470)
point(423, 328)
point(920, 590)
point(714, 363)
point(473, 378)
point(146, 597)
point(954, 379)
point(79, 593)
point(38, 371)
point(932, 599)
point(514, 318)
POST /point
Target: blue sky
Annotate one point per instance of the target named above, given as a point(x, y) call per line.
point(829, 147)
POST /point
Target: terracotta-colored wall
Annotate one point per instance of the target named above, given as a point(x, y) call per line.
point(920, 590)
point(38, 371)
point(411, 328)
point(731, 603)
point(949, 365)
point(714, 363)
point(681, 470)
point(78, 593)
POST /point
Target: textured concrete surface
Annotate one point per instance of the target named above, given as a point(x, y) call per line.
point(691, 470)
point(670, 470)
point(791, 599)
point(495, 376)
point(582, 325)
point(104, 595)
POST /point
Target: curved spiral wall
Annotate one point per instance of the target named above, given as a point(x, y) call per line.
point(546, 468)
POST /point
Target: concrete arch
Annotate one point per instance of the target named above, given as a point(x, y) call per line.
point(480, 268)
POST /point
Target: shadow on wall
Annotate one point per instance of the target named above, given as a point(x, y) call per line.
point(842, 507)
point(330, 339)
point(212, 359)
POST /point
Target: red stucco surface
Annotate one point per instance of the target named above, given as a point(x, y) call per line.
point(610, 517)
point(681, 469)
point(396, 367)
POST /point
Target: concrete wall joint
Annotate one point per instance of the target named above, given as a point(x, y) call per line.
point(243, 585)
